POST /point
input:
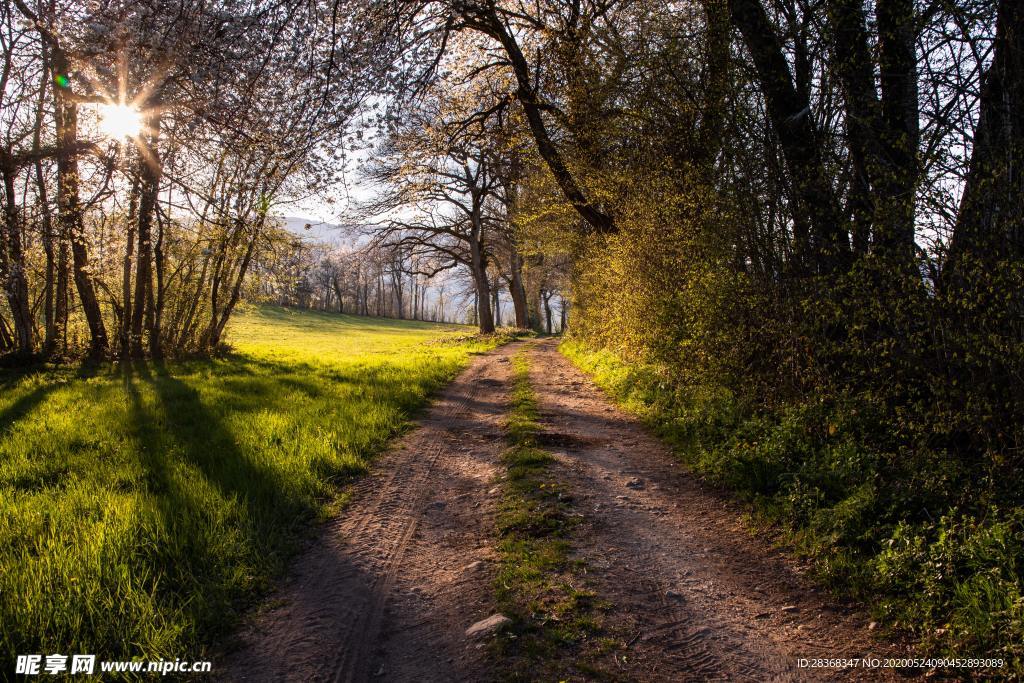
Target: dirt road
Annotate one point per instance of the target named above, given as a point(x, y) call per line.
point(391, 587)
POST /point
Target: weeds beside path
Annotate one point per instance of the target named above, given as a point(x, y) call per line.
point(693, 596)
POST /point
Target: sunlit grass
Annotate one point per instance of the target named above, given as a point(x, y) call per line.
point(142, 508)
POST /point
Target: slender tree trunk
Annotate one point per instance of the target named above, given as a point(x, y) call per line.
point(60, 303)
point(16, 285)
point(236, 289)
point(126, 269)
point(496, 303)
point(157, 298)
point(149, 174)
point(822, 239)
point(50, 326)
point(6, 338)
point(546, 297)
point(50, 322)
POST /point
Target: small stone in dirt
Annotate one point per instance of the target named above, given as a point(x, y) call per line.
point(621, 498)
point(790, 609)
point(472, 566)
point(635, 483)
point(873, 625)
point(487, 627)
point(496, 489)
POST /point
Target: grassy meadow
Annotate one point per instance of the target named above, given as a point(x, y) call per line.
point(142, 508)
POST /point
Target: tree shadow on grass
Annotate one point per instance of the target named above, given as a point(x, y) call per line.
point(48, 382)
point(180, 436)
point(23, 405)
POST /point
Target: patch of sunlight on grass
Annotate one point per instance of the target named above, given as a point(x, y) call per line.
point(142, 508)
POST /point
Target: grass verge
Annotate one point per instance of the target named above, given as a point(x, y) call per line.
point(539, 585)
point(142, 508)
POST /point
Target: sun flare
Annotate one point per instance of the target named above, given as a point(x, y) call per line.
point(120, 120)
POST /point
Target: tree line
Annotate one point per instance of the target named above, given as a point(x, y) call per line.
point(378, 278)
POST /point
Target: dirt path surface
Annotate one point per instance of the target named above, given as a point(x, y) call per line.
point(388, 591)
point(699, 598)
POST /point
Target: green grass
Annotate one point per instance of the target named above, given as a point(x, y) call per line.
point(555, 618)
point(142, 508)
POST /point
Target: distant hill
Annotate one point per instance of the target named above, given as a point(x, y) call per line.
point(315, 231)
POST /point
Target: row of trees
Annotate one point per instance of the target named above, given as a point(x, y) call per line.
point(381, 279)
point(447, 201)
point(143, 146)
point(801, 214)
point(763, 192)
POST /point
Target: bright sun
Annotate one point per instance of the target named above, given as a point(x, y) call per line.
point(120, 120)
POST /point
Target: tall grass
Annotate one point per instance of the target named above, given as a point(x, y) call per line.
point(142, 508)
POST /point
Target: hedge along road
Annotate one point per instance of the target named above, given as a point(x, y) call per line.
point(390, 588)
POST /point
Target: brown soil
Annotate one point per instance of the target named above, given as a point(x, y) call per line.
point(388, 591)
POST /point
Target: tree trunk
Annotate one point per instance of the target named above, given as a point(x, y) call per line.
point(236, 289)
point(883, 133)
point(16, 284)
point(149, 175)
point(126, 269)
point(990, 225)
point(50, 327)
point(478, 265)
point(546, 297)
point(157, 297)
point(496, 303)
point(518, 292)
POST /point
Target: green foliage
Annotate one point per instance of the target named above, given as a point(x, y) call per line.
point(142, 508)
point(968, 571)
